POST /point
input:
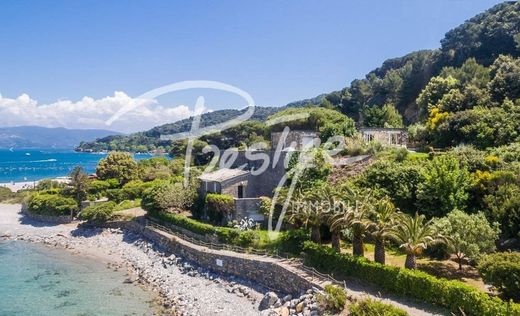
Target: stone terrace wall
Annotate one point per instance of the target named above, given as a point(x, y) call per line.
point(264, 271)
point(48, 218)
point(248, 207)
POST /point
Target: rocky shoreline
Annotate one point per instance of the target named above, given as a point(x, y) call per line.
point(183, 287)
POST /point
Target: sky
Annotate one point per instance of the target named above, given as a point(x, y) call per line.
point(76, 63)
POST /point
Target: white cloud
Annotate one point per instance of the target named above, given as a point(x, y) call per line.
point(89, 113)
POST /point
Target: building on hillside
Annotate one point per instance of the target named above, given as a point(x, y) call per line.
point(247, 186)
point(386, 136)
point(297, 139)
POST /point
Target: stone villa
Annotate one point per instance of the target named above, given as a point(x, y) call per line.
point(386, 136)
point(245, 186)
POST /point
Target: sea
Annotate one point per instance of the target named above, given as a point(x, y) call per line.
point(35, 164)
point(37, 280)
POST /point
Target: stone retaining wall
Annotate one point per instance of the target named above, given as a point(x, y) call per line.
point(264, 272)
point(47, 218)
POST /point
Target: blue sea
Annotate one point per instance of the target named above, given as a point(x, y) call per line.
point(36, 280)
point(36, 164)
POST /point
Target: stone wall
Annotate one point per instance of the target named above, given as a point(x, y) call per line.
point(263, 271)
point(262, 184)
point(248, 207)
point(47, 218)
point(295, 139)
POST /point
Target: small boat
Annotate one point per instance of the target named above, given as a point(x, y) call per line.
point(27, 154)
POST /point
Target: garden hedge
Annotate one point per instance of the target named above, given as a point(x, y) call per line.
point(99, 213)
point(453, 295)
point(51, 205)
point(232, 236)
point(219, 207)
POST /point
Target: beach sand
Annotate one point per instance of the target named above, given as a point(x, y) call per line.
point(17, 186)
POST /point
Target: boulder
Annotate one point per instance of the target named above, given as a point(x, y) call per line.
point(299, 307)
point(269, 300)
point(287, 298)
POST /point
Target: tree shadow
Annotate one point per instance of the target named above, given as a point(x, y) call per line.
point(448, 270)
point(86, 230)
point(28, 220)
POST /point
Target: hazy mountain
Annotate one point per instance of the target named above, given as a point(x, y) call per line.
point(150, 140)
point(36, 136)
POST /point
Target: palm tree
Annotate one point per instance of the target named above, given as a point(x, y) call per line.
point(354, 218)
point(414, 235)
point(301, 210)
point(324, 199)
point(381, 221)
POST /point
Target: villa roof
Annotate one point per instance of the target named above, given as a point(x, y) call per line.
point(222, 175)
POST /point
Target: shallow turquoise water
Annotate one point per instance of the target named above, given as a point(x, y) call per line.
point(36, 280)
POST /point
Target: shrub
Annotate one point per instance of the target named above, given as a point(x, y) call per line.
point(265, 205)
point(6, 194)
point(502, 270)
point(99, 213)
point(47, 184)
point(291, 241)
point(164, 196)
point(503, 206)
point(99, 187)
point(51, 204)
point(371, 307)
point(334, 298)
point(226, 235)
point(130, 191)
point(219, 206)
point(445, 187)
point(419, 285)
point(400, 181)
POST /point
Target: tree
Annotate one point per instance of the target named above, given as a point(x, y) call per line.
point(324, 199)
point(414, 235)
point(469, 236)
point(504, 207)
point(382, 220)
point(117, 165)
point(165, 196)
point(80, 183)
point(397, 180)
point(505, 72)
point(382, 116)
point(434, 92)
point(312, 166)
point(445, 187)
point(353, 217)
point(154, 168)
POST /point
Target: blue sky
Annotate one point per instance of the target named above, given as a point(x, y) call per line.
point(277, 51)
